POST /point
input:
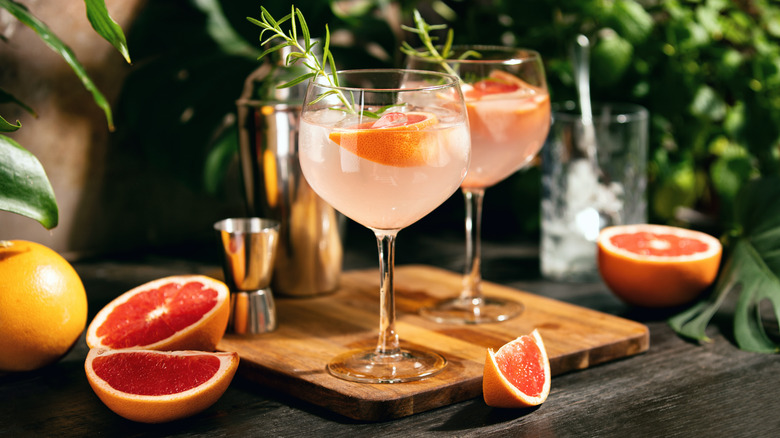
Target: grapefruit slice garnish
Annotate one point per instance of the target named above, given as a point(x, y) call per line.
point(158, 386)
point(657, 265)
point(503, 108)
point(498, 82)
point(187, 312)
point(395, 139)
point(518, 374)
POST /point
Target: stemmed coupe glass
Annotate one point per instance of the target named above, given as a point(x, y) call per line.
point(385, 148)
point(509, 114)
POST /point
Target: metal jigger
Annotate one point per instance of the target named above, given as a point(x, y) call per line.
point(249, 248)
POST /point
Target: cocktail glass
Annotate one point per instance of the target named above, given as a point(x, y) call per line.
point(509, 115)
point(385, 148)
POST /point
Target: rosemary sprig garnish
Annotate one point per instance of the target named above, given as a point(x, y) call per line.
point(432, 52)
point(305, 53)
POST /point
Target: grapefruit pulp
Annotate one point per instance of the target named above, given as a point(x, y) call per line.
point(186, 312)
point(154, 386)
point(657, 265)
point(395, 139)
point(518, 374)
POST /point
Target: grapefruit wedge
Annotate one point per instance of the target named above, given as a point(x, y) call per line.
point(159, 386)
point(186, 312)
point(518, 374)
point(395, 139)
point(657, 266)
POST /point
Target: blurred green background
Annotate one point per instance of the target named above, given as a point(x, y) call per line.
point(708, 71)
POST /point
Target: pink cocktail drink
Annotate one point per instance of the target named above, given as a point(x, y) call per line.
point(509, 123)
point(509, 115)
point(385, 148)
point(389, 191)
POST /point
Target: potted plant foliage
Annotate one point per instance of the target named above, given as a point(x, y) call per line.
point(24, 186)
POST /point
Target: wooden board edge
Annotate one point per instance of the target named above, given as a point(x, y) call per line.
point(354, 407)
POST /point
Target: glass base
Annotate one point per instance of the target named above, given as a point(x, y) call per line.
point(466, 311)
point(366, 366)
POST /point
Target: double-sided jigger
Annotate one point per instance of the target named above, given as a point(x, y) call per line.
point(249, 248)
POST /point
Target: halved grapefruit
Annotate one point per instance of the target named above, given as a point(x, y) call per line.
point(518, 374)
point(395, 139)
point(159, 386)
point(657, 265)
point(185, 312)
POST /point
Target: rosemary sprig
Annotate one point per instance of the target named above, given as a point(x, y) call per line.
point(305, 53)
point(432, 52)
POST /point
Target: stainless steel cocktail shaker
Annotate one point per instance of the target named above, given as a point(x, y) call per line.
point(309, 255)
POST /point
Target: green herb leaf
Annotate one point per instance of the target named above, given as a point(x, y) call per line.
point(298, 80)
point(324, 95)
point(752, 271)
point(24, 187)
point(272, 49)
point(304, 28)
point(430, 51)
point(306, 55)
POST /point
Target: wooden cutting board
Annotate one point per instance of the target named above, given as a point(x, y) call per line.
point(311, 331)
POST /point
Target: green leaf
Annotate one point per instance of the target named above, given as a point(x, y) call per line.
point(24, 187)
point(218, 160)
point(322, 96)
point(610, 59)
point(105, 26)
point(9, 127)
point(6, 97)
point(220, 30)
point(297, 80)
point(708, 104)
point(23, 15)
point(758, 284)
point(752, 271)
point(632, 20)
point(304, 27)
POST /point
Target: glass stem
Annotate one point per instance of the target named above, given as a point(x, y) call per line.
point(472, 289)
point(388, 343)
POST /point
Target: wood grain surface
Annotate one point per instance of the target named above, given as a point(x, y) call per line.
point(311, 331)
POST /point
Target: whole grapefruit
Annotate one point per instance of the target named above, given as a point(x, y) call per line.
point(43, 306)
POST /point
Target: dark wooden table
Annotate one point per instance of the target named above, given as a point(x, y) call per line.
point(675, 389)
